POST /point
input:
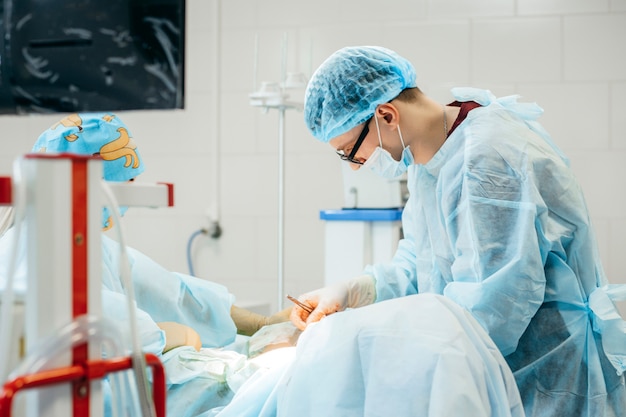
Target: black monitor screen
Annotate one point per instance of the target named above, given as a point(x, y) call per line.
point(91, 55)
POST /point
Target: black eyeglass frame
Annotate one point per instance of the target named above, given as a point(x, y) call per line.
point(357, 145)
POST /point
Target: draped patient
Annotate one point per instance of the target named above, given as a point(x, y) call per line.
point(173, 309)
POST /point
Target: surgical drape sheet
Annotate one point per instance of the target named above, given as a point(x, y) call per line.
point(413, 356)
point(170, 296)
point(162, 295)
point(497, 222)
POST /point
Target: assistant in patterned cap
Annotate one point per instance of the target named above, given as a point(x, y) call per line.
point(102, 134)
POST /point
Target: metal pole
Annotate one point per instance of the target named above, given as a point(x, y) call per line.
point(281, 205)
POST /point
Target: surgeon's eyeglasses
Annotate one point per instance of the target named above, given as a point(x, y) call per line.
point(357, 145)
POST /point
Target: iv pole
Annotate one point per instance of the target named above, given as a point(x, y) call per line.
point(273, 96)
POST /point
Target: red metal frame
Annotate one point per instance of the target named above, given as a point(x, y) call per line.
point(170, 193)
point(82, 370)
point(81, 374)
point(80, 281)
point(5, 191)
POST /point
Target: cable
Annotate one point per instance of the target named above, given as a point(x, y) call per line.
point(189, 242)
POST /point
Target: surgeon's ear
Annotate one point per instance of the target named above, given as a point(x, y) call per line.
point(389, 113)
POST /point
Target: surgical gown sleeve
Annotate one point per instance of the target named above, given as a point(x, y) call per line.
point(169, 296)
point(498, 267)
point(397, 278)
point(495, 216)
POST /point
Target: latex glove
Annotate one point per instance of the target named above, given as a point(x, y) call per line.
point(177, 334)
point(248, 322)
point(357, 292)
point(272, 337)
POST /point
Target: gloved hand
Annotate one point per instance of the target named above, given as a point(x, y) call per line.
point(357, 292)
point(177, 334)
point(248, 322)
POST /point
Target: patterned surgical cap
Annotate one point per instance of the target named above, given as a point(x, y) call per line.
point(101, 134)
point(345, 90)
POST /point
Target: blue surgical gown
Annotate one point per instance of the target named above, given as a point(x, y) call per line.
point(497, 222)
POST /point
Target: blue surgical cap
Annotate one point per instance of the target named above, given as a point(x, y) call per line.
point(345, 90)
point(101, 134)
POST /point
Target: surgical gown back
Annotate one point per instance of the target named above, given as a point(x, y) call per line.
point(497, 222)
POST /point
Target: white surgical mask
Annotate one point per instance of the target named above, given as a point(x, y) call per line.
point(383, 164)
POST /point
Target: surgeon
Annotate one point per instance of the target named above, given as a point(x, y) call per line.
point(495, 222)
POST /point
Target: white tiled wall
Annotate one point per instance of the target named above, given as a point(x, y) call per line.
point(593, 47)
point(567, 55)
point(515, 50)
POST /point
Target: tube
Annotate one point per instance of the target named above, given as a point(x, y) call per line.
point(193, 236)
point(83, 329)
point(138, 359)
